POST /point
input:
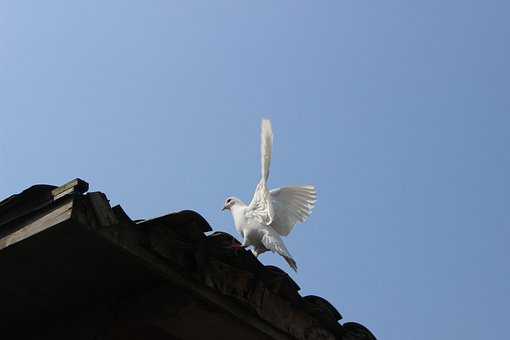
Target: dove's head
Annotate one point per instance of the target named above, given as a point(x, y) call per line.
point(230, 202)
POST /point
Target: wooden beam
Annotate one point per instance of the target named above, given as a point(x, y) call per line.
point(76, 185)
point(102, 209)
point(39, 224)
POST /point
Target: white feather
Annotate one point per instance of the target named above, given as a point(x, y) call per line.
point(260, 206)
point(266, 146)
point(272, 241)
point(291, 205)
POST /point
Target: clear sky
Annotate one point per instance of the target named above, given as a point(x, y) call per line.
point(398, 112)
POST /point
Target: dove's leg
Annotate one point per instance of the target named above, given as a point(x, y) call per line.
point(258, 250)
point(236, 246)
point(247, 242)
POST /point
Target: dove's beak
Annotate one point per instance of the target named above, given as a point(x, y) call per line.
point(224, 208)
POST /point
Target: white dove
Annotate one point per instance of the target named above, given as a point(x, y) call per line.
point(271, 213)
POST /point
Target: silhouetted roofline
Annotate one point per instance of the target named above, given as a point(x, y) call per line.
point(177, 247)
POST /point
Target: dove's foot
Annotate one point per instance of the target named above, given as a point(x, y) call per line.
point(236, 246)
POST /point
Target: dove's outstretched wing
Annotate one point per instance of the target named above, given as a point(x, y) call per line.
point(291, 205)
point(260, 206)
point(272, 241)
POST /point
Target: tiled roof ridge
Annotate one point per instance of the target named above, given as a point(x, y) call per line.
point(185, 241)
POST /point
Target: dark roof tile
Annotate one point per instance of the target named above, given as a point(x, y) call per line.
point(188, 224)
point(321, 308)
point(280, 283)
point(219, 245)
point(356, 331)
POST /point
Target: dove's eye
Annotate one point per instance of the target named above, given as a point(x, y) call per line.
point(228, 201)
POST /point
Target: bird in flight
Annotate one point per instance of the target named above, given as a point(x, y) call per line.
point(271, 213)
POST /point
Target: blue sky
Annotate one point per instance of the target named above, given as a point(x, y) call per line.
point(397, 111)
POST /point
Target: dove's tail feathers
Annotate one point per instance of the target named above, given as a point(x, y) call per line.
point(292, 263)
point(266, 146)
point(260, 204)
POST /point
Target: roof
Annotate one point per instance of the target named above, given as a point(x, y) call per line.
point(63, 249)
